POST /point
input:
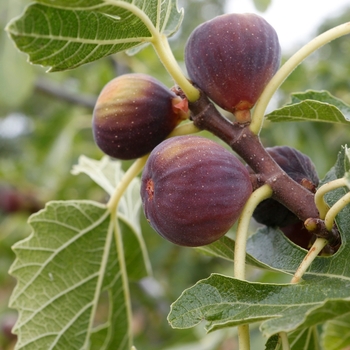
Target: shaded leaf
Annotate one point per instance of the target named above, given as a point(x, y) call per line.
point(225, 302)
point(318, 106)
point(273, 343)
point(306, 339)
point(224, 248)
point(66, 34)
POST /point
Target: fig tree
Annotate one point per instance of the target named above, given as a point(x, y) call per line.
point(133, 114)
point(193, 190)
point(231, 58)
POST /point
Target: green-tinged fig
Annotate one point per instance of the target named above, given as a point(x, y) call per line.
point(302, 170)
point(133, 114)
point(193, 190)
point(231, 58)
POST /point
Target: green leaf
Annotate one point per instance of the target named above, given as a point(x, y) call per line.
point(273, 343)
point(61, 270)
point(16, 76)
point(70, 256)
point(65, 34)
point(262, 5)
point(317, 106)
point(270, 246)
point(224, 249)
point(336, 334)
point(306, 339)
point(225, 302)
point(107, 173)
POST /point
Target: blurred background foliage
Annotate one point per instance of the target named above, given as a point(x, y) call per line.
point(45, 124)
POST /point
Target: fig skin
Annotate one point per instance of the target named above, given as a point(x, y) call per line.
point(231, 58)
point(134, 113)
point(193, 190)
point(302, 170)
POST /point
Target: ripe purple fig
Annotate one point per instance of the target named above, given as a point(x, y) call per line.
point(231, 58)
point(193, 190)
point(14, 200)
point(302, 170)
point(133, 114)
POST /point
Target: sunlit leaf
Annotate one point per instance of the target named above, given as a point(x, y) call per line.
point(317, 106)
point(107, 173)
point(61, 270)
point(66, 34)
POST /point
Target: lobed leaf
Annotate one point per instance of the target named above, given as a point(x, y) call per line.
point(65, 34)
point(71, 263)
point(61, 270)
point(225, 302)
point(318, 106)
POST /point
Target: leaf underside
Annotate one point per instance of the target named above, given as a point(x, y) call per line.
point(70, 264)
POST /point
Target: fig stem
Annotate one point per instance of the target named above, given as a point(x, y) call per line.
point(287, 69)
point(246, 144)
point(166, 56)
point(321, 205)
point(335, 209)
point(129, 175)
point(161, 45)
point(311, 255)
point(256, 197)
point(243, 337)
point(284, 338)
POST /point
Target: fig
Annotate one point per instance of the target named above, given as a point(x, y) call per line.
point(231, 58)
point(134, 113)
point(302, 170)
point(14, 200)
point(193, 190)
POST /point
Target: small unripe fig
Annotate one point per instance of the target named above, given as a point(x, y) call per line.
point(231, 58)
point(301, 169)
point(133, 114)
point(193, 190)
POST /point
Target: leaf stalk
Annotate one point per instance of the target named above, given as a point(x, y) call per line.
point(288, 68)
point(321, 205)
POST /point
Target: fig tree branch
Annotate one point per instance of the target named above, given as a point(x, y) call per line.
point(247, 145)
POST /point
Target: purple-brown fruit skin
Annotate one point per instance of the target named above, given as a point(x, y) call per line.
point(133, 114)
point(193, 190)
point(300, 168)
point(232, 57)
